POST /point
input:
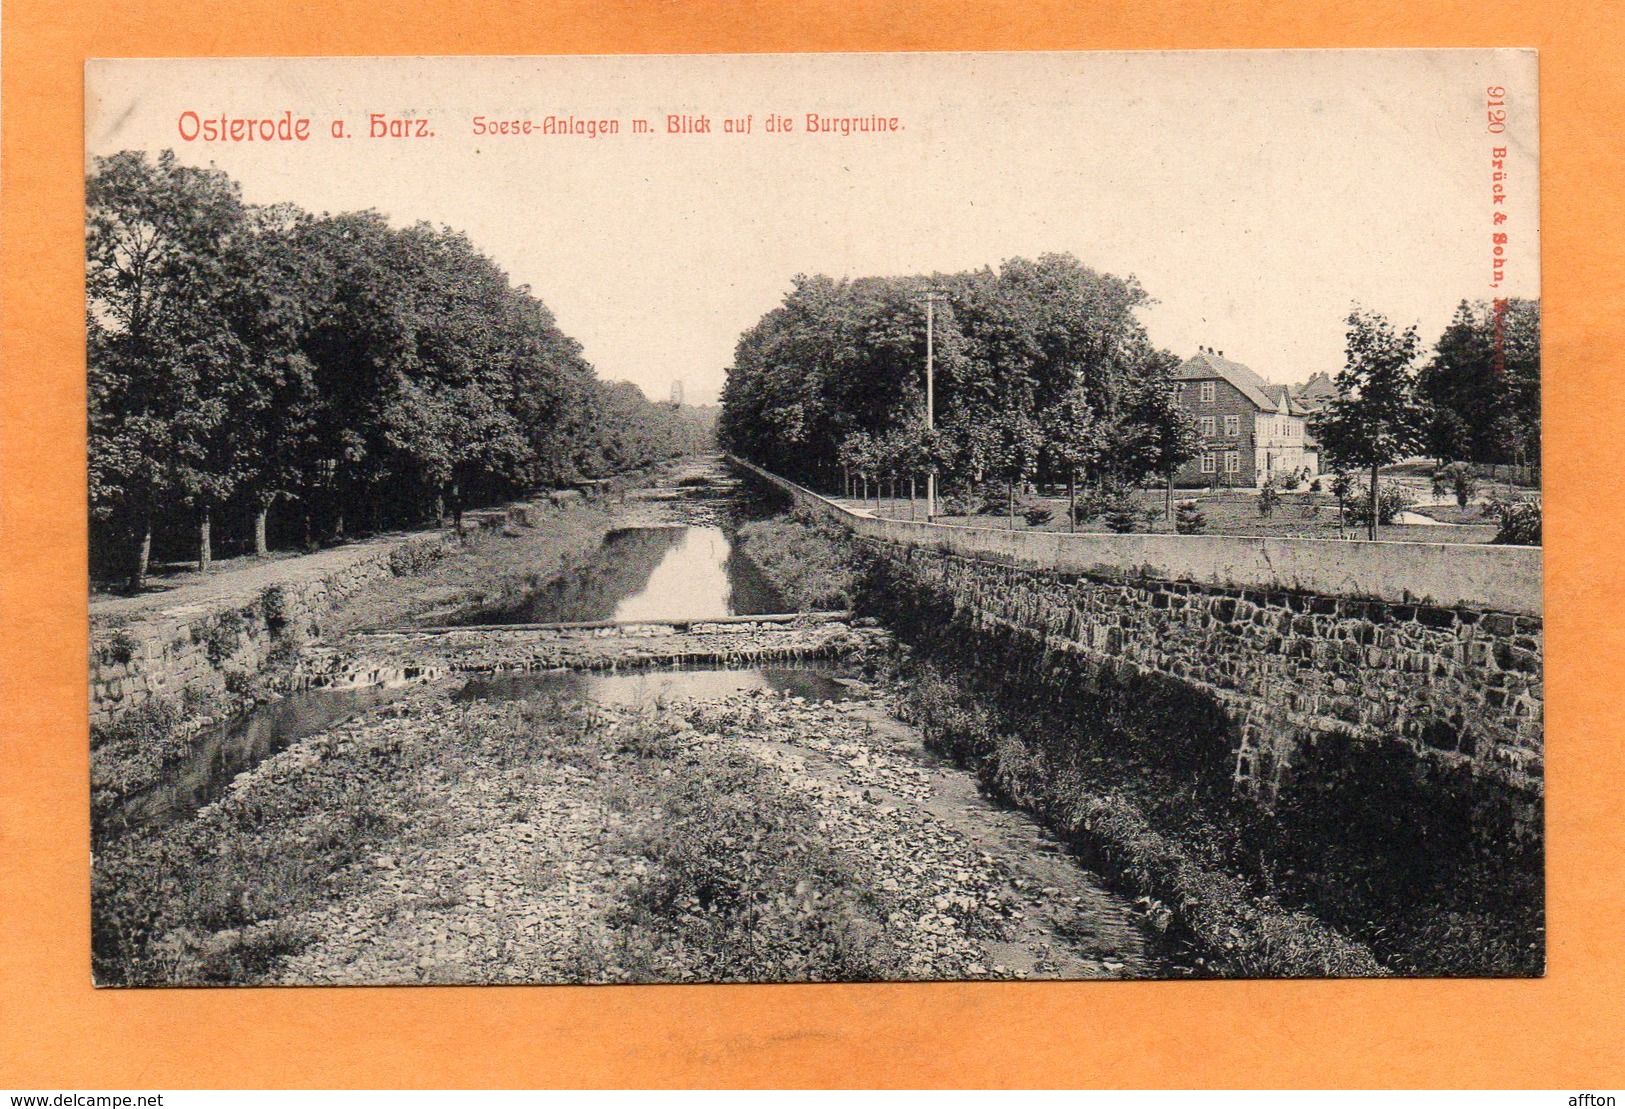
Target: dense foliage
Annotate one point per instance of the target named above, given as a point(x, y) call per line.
point(1041, 371)
point(1481, 387)
point(242, 358)
point(1043, 374)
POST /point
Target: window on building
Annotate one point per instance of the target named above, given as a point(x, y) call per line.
point(1207, 463)
point(1207, 425)
point(1210, 389)
point(1232, 462)
point(1232, 425)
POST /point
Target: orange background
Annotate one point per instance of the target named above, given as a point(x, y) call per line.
point(57, 1033)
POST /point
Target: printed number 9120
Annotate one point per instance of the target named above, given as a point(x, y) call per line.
point(1496, 108)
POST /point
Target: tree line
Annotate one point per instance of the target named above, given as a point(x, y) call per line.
point(1476, 398)
point(1041, 372)
point(312, 375)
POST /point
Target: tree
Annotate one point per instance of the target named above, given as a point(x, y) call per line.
point(247, 356)
point(843, 356)
point(1375, 419)
point(1482, 384)
point(1017, 442)
point(161, 359)
point(857, 453)
point(268, 300)
point(1070, 439)
point(1154, 435)
point(1343, 489)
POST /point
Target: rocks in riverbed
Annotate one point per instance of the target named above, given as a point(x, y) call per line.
point(511, 869)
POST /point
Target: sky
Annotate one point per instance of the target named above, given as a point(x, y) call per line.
point(1255, 195)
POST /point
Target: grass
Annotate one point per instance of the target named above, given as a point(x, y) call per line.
point(741, 885)
point(808, 562)
point(724, 877)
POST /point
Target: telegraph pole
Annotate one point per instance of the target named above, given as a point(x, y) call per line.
point(930, 403)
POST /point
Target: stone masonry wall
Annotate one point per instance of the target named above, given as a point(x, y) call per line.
point(163, 652)
point(1317, 652)
point(1457, 687)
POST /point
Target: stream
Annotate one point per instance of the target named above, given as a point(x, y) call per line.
point(920, 823)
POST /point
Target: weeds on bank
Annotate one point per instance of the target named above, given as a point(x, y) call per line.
point(1218, 914)
point(740, 884)
point(207, 901)
point(809, 563)
point(134, 747)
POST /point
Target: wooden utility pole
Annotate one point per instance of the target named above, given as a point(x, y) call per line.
point(930, 404)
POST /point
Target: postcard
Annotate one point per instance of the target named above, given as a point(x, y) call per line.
point(814, 518)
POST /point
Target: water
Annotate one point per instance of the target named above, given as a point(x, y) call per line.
point(229, 749)
point(646, 573)
point(657, 573)
point(643, 688)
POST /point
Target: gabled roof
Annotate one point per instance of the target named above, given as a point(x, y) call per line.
point(1315, 392)
point(1282, 396)
point(1206, 365)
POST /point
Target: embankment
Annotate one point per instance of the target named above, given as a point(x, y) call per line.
point(1348, 728)
point(139, 654)
point(163, 667)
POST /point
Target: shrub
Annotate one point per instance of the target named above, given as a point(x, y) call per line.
point(1188, 518)
point(1268, 498)
point(1456, 479)
point(1037, 515)
point(274, 607)
point(116, 649)
point(1519, 521)
point(957, 504)
point(1392, 499)
point(1314, 486)
point(413, 558)
point(1120, 512)
point(224, 636)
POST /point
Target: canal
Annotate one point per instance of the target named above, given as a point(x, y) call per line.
point(977, 889)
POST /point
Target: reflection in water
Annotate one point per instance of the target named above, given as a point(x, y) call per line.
point(641, 688)
point(244, 743)
point(669, 573)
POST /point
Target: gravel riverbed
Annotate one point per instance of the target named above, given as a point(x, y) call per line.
point(509, 859)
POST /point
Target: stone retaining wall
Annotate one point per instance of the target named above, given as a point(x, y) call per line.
point(1456, 687)
point(161, 652)
point(1305, 644)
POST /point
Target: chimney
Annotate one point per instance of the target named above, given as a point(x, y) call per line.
point(1221, 354)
